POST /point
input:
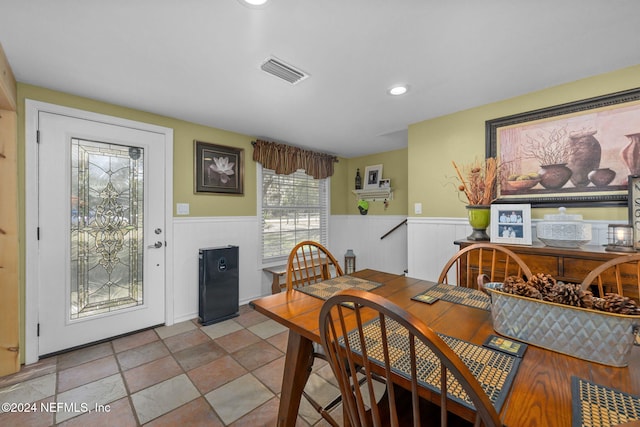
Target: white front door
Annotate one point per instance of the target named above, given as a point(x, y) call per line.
point(101, 230)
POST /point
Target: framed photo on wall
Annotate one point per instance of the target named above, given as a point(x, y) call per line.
point(385, 183)
point(511, 223)
point(218, 168)
point(372, 177)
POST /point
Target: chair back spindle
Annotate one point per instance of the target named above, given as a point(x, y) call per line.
point(310, 262)
point(620, 275)
point(482, 260)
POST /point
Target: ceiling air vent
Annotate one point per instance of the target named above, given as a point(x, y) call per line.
point(283, 71)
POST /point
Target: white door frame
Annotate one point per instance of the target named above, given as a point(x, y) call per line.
point(32, 109)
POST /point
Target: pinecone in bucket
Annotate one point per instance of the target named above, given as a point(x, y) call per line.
point(615, 303)
point(526, 290)
point(510, 283)
point(543, 283)
point(571, 294)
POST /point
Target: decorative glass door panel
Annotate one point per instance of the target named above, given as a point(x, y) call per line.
point(107, 245)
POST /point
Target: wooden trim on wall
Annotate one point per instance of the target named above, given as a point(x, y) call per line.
point(9, 242)
point(9, 303)
point(8, 88)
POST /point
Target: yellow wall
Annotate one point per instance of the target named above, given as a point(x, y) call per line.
point(342, 201)
point(183, 163)
point(394, 167)
point(433, 144)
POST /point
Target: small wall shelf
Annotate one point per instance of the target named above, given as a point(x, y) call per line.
point(374, 195)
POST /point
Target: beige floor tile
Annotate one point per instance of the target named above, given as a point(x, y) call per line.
point(216, 373)
point(84, 355)
point(161, 398)
point(140, 355)
point(279, 341)
point(195, 413)
point(237, 340)
point(192, 357)
point(265, 415)
point(250, 318)
point(239, 397)
point(118, 413)
point(29, 391)
point(175, 329)
point(184, 340)
point(221, 329)
point(256, 355)
point(135, 340)
point(271, 374)
point(34, 417)
point(267, 329)
point(85, 398)
point(86, 373)
point(27, 372)
point(151, 373)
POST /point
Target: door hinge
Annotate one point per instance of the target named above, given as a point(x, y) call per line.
point(38, 331)
point(37, 137)
point(38, 233)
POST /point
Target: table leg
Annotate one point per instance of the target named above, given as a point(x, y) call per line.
point(297, 367)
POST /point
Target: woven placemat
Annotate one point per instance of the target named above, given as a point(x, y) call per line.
point(458, 295)
point(494, 370)
point(595, 405)
point(327, 288)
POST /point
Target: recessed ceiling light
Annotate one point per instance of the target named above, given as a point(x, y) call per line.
point(398, 90)
point(254, 2)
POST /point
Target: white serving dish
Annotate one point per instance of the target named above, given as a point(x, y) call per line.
point(563, 230)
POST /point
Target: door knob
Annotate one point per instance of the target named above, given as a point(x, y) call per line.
point(156, 245)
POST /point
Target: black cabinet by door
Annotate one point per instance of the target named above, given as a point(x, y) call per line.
point(218, 281)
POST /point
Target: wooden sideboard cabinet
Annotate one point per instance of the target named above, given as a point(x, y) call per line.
point(568, 265)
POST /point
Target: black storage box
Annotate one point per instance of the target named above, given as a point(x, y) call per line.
point(218, 280)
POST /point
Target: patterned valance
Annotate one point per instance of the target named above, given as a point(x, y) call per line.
point(285, 159)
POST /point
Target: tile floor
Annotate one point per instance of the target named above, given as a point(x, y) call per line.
point(225, 374)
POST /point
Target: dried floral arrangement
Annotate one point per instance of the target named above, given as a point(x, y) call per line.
point(545, 287)
point(477, 180)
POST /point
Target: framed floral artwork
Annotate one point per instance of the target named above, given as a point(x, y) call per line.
point(578, 154)
point(218, 168)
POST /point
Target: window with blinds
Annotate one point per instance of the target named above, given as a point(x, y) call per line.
point(294, 207)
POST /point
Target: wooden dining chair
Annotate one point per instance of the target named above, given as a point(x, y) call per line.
point(309, 262)
point(495, 263)
point(620, 275)
point(350, 341)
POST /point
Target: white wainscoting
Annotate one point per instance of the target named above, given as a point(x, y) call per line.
point(358, 232)
point(191, 234)
point(422, 246)
point(430, 242)
point(362, 234)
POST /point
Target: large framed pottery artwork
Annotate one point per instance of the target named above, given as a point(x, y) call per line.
point(218, 169)
point(575, 154)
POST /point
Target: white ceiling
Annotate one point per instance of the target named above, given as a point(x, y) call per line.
point(198, 60)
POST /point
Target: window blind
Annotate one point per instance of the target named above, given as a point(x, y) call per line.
point(294, 207)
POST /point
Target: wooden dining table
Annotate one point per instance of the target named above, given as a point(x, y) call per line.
point(541, 392)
